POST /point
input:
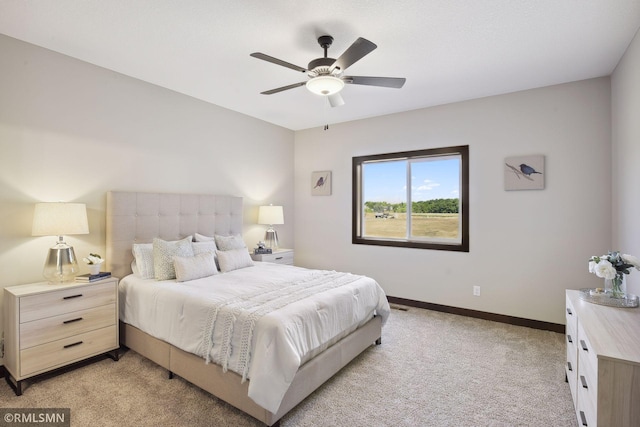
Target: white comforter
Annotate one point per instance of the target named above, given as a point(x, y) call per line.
point(192, 316)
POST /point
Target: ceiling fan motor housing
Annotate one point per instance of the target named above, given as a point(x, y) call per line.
point(321, 66)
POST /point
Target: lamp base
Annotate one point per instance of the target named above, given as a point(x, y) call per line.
point(271, 238)
point(61, 265)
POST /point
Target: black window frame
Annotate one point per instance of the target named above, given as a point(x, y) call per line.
point(358, 203)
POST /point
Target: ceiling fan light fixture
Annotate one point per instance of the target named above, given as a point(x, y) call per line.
point(325, 85)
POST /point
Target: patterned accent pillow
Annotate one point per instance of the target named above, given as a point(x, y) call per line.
point(195, 267)
point(163, 253)
point(234, 259)
point(228, 243)
point(143, 254)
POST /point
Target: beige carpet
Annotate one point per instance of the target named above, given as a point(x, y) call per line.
point(432, 369)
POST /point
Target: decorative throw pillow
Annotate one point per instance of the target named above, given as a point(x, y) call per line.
point(204, 247)
point(202, 238)
point(234, 259)
point(228, 243)
point(143, 254)
point(195, 267)
point(163, 253)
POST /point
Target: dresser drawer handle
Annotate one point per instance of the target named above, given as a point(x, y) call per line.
point(72, 296)
point(569, 312)
point(72, 320)
point(73, 345)
point(584, 345)
point(583, 380)
point(280, 257)
point(569, 339)
point(583, 418)
point(569, 366)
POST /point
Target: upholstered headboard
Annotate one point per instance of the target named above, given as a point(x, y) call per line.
point(139, 217)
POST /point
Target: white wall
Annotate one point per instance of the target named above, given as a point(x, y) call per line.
point(72, 131)
point(527, 247)
point(625, 108)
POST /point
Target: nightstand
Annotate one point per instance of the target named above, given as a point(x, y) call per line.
point(48, 326)
point(279, 256)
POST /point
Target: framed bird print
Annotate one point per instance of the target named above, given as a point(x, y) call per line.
point(321, 183)
point(524, 173)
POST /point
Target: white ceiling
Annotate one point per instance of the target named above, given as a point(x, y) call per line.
point(448, 50)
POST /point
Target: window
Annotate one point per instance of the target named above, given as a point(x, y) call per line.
point(415, 199)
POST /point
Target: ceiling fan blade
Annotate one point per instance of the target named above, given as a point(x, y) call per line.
point(278, 61)
point(393, 82)
point(335, 100)
point(354, 53)
point(283, 88)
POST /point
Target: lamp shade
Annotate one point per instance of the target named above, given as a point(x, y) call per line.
point(57, 219)
point(270, 215)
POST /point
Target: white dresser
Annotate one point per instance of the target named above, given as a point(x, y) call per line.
point(48, 326)
point(603, 362)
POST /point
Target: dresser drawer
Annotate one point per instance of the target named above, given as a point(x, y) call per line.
point(586, 409)
point(68, 350)
point(571, 369)
point(66, 325)
point(50, 304)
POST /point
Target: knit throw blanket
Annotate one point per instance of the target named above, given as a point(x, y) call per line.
point(244, 311)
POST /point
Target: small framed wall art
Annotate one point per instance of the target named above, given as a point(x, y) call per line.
point(321, 183)
point(524, 173)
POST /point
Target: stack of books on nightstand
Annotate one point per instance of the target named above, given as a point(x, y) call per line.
point(87, 278)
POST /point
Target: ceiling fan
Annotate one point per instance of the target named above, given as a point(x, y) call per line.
point(326, 74)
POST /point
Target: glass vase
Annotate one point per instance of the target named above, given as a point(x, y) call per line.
point(616, 287)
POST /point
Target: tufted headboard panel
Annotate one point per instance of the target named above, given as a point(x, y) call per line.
point(139, 217)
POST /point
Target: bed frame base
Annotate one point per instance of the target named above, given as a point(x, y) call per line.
point(228, 387)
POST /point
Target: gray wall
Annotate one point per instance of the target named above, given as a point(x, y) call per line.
point(70, 131)
point(625, 108)
point(526, 247)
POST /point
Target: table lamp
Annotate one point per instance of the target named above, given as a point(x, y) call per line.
point(58, 219)
point(270, 215)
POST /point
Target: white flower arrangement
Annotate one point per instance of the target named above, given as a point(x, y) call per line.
point(93, 259)
point(612, 267)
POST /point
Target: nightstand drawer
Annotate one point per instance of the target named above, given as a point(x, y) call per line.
point(278, 257)
point(66, 325)
point(54, 303)
point(62, 352)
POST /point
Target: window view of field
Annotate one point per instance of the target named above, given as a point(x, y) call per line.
point(426, 225)
point(412, 199)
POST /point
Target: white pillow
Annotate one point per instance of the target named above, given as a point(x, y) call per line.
point(202, 238)
point(234, 259)
point(163, 253)
point(195, 267)
point(228, 243)
point(143, 254)
point(206, 247)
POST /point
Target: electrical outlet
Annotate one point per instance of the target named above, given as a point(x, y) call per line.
point(476, 291)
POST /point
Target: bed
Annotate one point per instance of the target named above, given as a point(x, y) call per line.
point(238, 375)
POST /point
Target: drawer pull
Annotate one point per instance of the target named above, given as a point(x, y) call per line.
point(584, 345)
point(73, 345)
point(583, 380)
point(583, 418)
point(569, 339)
point(72, 296)
point(72, 320)
point(569, 312)
point(569, 366)
point(280, 257)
